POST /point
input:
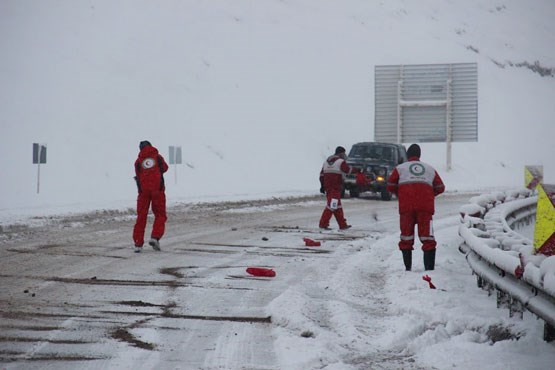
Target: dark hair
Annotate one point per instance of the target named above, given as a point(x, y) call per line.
point(144, 143)
point(414, 151)
point(339, 150)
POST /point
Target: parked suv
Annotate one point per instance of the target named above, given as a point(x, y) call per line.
point(376, 160)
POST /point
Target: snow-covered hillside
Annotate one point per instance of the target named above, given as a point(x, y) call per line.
point(257, 93)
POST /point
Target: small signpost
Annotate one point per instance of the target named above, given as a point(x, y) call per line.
point(175, 158)
point(39, 157)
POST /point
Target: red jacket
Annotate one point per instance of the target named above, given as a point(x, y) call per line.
point(331, 175)
point(149, 169)
point(416, 184)
point(361, 179)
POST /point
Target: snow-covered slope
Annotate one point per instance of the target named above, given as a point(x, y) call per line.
point(257, 93)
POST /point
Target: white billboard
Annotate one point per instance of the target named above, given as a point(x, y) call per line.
point(426, 103)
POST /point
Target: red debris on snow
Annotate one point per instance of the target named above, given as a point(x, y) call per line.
point(519, 271)
point(429, 280)
point(311, 243)
point(261, 271)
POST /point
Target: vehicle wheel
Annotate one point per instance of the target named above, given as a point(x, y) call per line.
point(386, 195)
point(353, 193)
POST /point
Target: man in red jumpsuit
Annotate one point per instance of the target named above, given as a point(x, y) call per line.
point(149, 174)
point(416, 185)
point(331, 180)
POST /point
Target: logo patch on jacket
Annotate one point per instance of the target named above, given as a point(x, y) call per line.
point(417, 169)
point(148, 163)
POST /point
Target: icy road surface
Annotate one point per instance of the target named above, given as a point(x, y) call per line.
point(74, 295)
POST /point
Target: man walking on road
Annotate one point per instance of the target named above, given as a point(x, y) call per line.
point(149, 175)
point(331, 180)
point(416, 185)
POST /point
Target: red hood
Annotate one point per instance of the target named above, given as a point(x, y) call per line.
point(148, 151)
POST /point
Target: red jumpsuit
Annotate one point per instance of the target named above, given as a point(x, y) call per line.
point(416, 184)
point(149, 169)
point(331, 178)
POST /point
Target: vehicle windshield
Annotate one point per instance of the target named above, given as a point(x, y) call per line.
point(372, 151)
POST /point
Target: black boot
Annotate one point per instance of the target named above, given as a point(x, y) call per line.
point(429, 259)
point(407, 259)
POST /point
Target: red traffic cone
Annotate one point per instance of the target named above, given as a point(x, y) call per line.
point(429, 280)
point(311, 243)
point(261, 271)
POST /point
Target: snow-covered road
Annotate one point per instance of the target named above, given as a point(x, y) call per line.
point(74, 295)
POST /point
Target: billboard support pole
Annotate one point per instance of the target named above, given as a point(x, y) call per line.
point(449, 123)
point(399, 110)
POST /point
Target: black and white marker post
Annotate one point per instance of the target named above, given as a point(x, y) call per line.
point(39, 157)
point(175, 158)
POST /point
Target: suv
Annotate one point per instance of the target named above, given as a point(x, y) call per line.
point(377, 161)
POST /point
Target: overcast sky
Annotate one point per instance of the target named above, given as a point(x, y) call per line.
point(257, 94)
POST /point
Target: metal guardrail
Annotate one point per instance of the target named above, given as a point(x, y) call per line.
point(494, 252)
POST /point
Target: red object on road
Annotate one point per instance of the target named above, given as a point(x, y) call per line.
point(362, 180)
point(429, 280)
point(311, 243)
point(261, 271)
point(519, 271)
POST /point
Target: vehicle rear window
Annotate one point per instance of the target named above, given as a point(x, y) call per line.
point(372, 151)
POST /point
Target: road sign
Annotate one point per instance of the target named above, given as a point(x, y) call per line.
point(533, 176)
point(175, 158)
point(544, 232)
point(175, 155)
point(39, 153)
point(39, 157)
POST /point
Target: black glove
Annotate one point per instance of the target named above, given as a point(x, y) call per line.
point(322, 190)
point(138, 183)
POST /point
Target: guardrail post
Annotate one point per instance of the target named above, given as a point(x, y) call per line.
point(489, 287)
point(516, 308)
point(503, 300)
point(548, 332)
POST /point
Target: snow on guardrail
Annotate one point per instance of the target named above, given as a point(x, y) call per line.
point(503, 259)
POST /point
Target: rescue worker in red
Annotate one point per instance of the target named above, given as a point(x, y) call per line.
point(331, 181)
point(416, 185)
point(149, 175)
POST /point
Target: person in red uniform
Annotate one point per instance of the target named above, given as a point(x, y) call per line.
point(416, 185)
point(331, 180)
point(149, 175)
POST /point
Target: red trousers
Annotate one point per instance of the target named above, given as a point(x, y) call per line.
point(332, 210)
point(425, 230)
point(144, 200)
